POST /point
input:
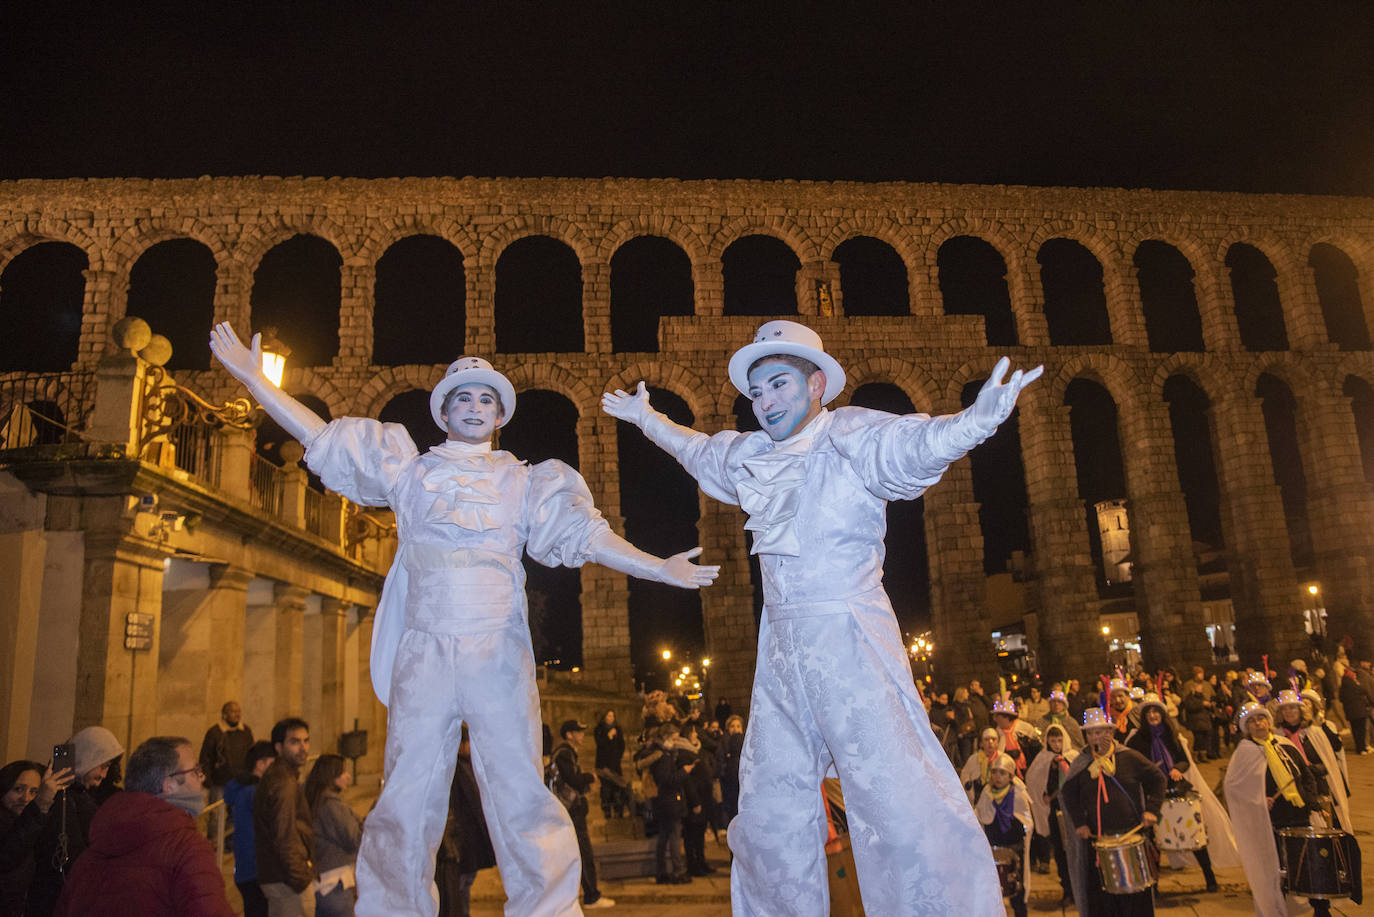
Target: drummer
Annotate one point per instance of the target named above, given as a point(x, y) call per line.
point(1111, 790)
point(1159, 740)
point(1004, 810)
point(1295, 724)
point(974, 773)
point(1043, 780)
point(1268, 787)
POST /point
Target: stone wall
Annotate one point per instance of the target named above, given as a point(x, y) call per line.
point(928, 354)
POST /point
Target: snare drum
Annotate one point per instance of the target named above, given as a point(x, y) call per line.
point(1008, 860)
point(1317, 862)
point(1180, 824)
point(1124, 864)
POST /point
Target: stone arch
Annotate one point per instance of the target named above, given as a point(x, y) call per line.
point(778, 226)
point(1115, 375)
point(1358, 248)
point(1008, 244)
point(1202, 369)
point(1192, 248)
point(1292, 370)
point(261, 237)
point(669, 375)
point(560, 380)
point(1355, 363)
point(883, 228)
point(653, 223)
point(915, 384)
point(976, 370)
point(387, 383)
point(1125, 326)
point(387, 231)
point(35, 232)
point(498, 238)
point(306, 381)
point(145, 233)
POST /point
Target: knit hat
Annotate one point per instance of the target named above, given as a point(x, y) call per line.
point(94, 746)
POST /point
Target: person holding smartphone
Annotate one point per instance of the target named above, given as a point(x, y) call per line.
point(27, 791)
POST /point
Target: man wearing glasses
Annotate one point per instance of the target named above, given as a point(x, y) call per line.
point(146, 856)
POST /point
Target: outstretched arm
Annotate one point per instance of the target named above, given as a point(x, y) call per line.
point(245, 365)
point(610, 550)
point(996, 399)
point(670, 437)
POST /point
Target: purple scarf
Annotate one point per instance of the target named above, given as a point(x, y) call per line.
point(1159, 750)
point(1006, 810)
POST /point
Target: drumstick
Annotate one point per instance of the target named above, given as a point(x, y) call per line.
point(1132, 831)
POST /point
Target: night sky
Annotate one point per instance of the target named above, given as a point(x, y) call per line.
point(1255, 97)
point(1247, 97)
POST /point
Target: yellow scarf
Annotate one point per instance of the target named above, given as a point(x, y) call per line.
point(999, 795)
point(1284, 779)
point(984, 764)
point(1105, 764)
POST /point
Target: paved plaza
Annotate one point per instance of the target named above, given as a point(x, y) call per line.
point(1180, 893)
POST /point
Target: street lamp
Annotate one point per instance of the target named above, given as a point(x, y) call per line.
point(274, 354)
point(667, 654)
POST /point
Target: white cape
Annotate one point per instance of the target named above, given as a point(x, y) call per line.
point(986, 810)
point(1254, 832)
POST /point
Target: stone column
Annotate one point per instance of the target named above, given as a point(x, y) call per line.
point(290, 626)
point(727, 606)
point(117, 687)
point(1070, 641)
point(958, 586)
point(1168, 602)
point(333, 671)
point(371, 714)
point(810, 274)
point(22, 560)
point(357, 283)
point(1028, 302)
point(1302, 311)
point(96, 309)
point(1258, 557)
point(1340, 507)
point(596, 306)
point(200, 647)
point(259, 696)
point(1216, 304)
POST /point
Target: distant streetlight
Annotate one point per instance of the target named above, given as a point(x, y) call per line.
point(1106, 630)
point(1313, 589)
point(706, 663)
point(667, 654)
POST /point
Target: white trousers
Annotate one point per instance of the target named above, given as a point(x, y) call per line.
point(487, 680)
point(824, 688)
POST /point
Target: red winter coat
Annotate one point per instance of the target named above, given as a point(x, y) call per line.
point(146, 859)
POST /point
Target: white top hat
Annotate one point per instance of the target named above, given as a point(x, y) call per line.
point(472, 369)
point(782, 336)
point(1094, 717)
point(1249, 710)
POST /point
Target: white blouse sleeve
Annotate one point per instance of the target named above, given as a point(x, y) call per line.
point(900, 456)
point(563, 521)
point(361, 459)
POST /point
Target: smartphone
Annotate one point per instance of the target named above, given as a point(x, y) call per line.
point(63, 756)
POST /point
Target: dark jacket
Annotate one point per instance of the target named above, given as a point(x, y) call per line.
point(466, 840)
point(47, 878)
point(223, 754)
point(146, 859)
point(610, 750)
point(1138, 786)
point(1354, 697)
point(572, 775)
point(696, 792)
point(238, 797)
point(18, 835)
point(727, 757)
point(1194, 711)
point(668, 775)
point(337, 832)
point(282, 829)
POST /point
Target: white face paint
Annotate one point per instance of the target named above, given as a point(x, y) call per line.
point(782, 398)
point(473, 413)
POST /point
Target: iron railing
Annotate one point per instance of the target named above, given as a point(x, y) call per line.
point(322, 511)
point(44, 410)
point(198, 449)
point(266, 485)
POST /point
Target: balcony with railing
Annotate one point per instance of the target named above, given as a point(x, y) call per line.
point(53, 417)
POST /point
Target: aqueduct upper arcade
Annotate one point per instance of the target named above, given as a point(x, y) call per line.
point(1207, 360)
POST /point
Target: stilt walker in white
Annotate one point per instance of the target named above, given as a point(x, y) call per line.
point(833, 682)
point(451, 641)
